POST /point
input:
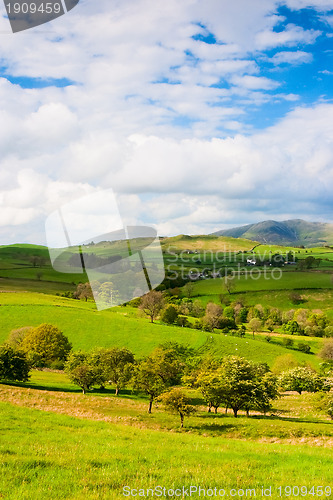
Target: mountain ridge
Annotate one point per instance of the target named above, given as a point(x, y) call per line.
point(291, 232)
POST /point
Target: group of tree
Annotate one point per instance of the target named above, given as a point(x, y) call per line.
point(100, 367)
point(236, 383)
point(302, 379)
point(227, 315)
point(44, 345)
point(231, 382)
point(32, 347)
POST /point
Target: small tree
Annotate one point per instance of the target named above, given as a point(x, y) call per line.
point(46, 344)
point(188, 289)
point(107, 293)
point(212, 388)
point(176, 401)
point(255, 325)
point(115, 365)
point(83, 291)
point(84, 376)
point(82, 371)
point(291, 327)
point(158, 371)
point(13, 364)
point(151, 304)
point(229, 284)
point(239, 379)
point(16, 336)
point(326, 352)
point(213, 315)
point(169, 315)
point(146, 377)
point(266, 391)
point(300, 379)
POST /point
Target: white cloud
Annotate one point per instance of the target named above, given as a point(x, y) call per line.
point(151, 110)
point(289, 57)
point(321, 5)
point(255, 82)
point(194, 183)
point(291, 36)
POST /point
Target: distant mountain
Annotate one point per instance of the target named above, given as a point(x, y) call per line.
point(295, 232)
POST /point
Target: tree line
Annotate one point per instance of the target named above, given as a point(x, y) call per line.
point(230, 382)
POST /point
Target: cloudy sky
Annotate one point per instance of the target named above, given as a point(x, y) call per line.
point(200, 114)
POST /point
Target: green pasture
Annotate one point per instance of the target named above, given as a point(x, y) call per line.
point(88, 328)
point(257, 349)
point(253, 280)
point(48, 455)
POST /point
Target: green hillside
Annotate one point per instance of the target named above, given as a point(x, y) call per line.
point(294, 232)
point(88, 328)
point(47, 455)
point(206, 242)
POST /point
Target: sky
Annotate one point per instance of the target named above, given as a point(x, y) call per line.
point(200, 114)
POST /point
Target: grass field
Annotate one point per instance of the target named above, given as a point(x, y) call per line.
point(56, 443)
point(315, 288)
point(63, 445)
point(57, 456)
point(88, 328)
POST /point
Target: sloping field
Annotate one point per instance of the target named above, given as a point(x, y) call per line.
point(87, 328)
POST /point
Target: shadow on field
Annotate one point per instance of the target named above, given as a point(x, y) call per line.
point(124, 393)
point(213, 426)
point(43, 387)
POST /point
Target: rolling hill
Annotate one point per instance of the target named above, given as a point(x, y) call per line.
point(294, 232)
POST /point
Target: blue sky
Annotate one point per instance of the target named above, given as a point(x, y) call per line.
point(200, 114)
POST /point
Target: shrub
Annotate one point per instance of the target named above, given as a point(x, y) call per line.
point(304, 347)
point(288, 342)
point(46, 344)
point(169, 315)
point(13, 364)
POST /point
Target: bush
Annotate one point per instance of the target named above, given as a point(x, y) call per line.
point(300, 379)
point(169, 315)
point(183, 321)
point(13, 364)
point(46, 344)
point(197, 325)
point(304, 347)
point(295, 298)
point(288, 342)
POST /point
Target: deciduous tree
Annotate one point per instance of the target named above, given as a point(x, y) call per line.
point(82, 370)
point(177, 401)
point(115, 364)
point(300, 379)
point(151, 304)
point(83, 291)
point(14, 365)
point(46, 344)
point(255, 325)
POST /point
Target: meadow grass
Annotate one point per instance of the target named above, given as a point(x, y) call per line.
point(292, 280)
point(88, 328)
point(45, 454)
point(296, 416)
